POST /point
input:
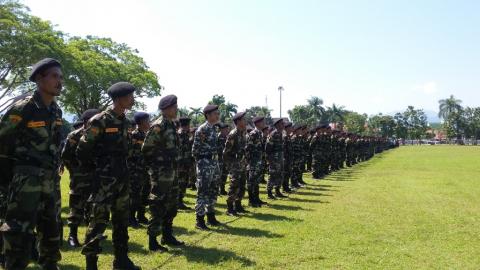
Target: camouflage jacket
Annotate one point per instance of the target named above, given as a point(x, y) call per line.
point(274, 147)
point(106, 143)
point(161, 144)
point(297, 145)
point(30, 133)
point(234, 152)
point(136, 160)
point(221, 146)
point(205, 143)
point(255, 149)
point(69, 157)
point(185, 148)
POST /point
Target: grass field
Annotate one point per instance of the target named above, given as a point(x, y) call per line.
point(411, 208)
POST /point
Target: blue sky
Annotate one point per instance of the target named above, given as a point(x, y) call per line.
point(369, 56)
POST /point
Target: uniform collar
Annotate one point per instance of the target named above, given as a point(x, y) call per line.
point(37, 99)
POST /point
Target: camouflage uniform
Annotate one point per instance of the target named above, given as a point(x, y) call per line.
point(287, 161)
point(139, 181)
point(185, 162)
point(297, 161)
point(106, 140)
point(204, 150)
point(255, 158)
point(316, 146)
point(80, 180)
point(160, 151)
point(222, 139)
point(274, 151)
point(234, 158)
point(34, 130)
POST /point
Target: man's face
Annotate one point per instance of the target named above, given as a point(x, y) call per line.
point(171, 112)
point(260, 125)
point(224, 131)
point(51, 81)
point(144, 125)
point(280, 126)
point(213, 117)
point(241, 124)
point(126, 102)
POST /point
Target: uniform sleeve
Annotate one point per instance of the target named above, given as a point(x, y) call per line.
point(10, 121)
point(68, 152)
point(153, 137)
point(89, 139)
point(196, 144)
point(228, 152)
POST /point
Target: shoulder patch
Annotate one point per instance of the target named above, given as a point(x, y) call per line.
point(35, 124)
point(111, 130)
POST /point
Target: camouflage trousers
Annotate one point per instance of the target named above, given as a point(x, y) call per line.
point(287, 173)
point(139, 189)
point(109, 195)
point(80, 190)
point(223, 175)
point(275, 171)
point(207, 186)
point(163, 208)
point(238, 179)
point(184, 176)
point(317, 170)
point(297, 172)
point(255, 176)
point(31, 204)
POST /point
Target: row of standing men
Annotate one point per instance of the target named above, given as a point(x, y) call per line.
point(119, 172)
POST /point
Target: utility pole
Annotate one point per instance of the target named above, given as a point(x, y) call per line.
point(280, 89)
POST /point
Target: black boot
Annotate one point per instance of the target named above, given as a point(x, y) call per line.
point(122, 262)
point(141, 216)
point(256, 191)
point(287, 189)
point(181, 204)
point(201, 223)
point(230, 210)
point(72, 236)
point(168, 238)
point(270, 195)
point(153, 245)
point(222, 190)
point(91, 262)
point(252, 199)
point(133, 221)
point(239, 208)
point(279, 194)
point(212, 220)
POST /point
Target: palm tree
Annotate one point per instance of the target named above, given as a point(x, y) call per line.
point(336, 114)
point(195, 114)
point(448, 106)
point(316, 105)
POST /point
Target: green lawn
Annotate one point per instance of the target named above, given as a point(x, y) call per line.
point(415, 207)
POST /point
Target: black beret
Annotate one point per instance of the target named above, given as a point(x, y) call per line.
point(86, 115)
point(297, 127)
point(238, 116)
point(288, 124)
point(210, 108)
point(43, 65)
point(265, 128)
point(167, 101)
point(257, 119)
point(140, 116)
point(276, 121)
point(184, 120)
point(120, 89)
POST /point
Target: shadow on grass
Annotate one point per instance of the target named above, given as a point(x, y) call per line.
point(69, 266)
point(271, 217)
point(287, 207)
point(306, 200)
point(247, 232)
point(211, 256)
point(304, 193)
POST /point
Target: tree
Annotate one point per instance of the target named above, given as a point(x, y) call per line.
point(94, 64)
point(335, 113)
point(315, 104)
point(383, 125)
point(355, 122)
point(472, 122)
point(302, 114)
point(226, 109)
point(24, 40)
point(448, 106)
point(260, 111)
point(416, 123)
point(197, 115)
